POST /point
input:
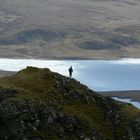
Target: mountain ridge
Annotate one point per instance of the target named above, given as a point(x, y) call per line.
point(38, 103)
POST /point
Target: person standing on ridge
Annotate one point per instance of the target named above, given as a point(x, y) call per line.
point(70, 72)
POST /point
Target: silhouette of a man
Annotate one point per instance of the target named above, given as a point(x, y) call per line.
point(70, 72)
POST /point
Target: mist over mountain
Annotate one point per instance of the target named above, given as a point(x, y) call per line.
point(70, 29)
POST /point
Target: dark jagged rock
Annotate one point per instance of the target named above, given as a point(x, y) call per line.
point(27, 118)
point(37, 104)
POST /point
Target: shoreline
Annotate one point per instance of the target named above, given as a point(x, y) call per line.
point(134, 95)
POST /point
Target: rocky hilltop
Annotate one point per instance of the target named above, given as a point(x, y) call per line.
point(37, 104)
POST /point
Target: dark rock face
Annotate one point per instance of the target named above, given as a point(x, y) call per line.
point(41, 105)
point(7, 93)
point(26, 119)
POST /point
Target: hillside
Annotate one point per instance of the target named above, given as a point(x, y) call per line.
point(5, 73)
point(39, 104)
point(70, 29)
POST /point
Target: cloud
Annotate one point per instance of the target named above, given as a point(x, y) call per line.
point(126, 61)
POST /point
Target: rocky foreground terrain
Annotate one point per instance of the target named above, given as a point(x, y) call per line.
point(70, 29)
point(37, 104)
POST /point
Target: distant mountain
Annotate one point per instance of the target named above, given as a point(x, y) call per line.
point(70, 29)
point(39, 104)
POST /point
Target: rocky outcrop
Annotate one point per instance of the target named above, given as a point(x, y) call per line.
point(31, 120)
point(36, 104)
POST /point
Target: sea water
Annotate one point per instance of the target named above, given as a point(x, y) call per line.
point(135, 103)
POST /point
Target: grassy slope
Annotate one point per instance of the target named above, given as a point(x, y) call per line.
point(80, 29)
point(40, 84)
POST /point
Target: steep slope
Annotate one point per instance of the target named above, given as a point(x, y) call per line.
point(101, 29)
point(39, 104)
